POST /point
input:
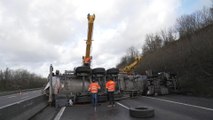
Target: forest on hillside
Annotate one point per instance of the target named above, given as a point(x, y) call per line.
point(19, 79)
point(186, 50)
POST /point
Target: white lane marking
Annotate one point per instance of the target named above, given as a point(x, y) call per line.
point(58, 116)
point(1, 107)
point(122, 105)
point(11, 96)
point(195, 106)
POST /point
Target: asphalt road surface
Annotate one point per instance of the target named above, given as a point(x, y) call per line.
point(166, 108)
point(8, 100)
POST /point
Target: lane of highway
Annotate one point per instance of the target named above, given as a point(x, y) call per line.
point(18, 97)
point(171, 110)
point(164, 109)
point(180, 103)
point(199, 101)
point(102, 112)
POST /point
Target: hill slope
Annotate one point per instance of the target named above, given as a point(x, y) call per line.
point(190, 57)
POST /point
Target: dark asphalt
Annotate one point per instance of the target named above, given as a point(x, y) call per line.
point(86, 112)
point(164, 110)
point(200, 101)
point(170, 111)
point(47, 114)
point(8, 100)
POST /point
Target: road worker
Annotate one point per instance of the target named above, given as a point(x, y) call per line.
point(87, 61)
point(110, 86)
point(93, 88)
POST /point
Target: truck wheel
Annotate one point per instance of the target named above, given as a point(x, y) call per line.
point(83, 69)
point(112, 71)
point(141, 112)
point(98, 71)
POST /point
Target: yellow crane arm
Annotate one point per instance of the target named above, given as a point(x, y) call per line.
point(130, 67)
point(87, 57)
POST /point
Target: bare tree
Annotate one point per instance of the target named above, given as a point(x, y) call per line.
point(132, 52)
point(123, 62)
point(167, 36)
point(152, 43)
point(19, 79)
point(188, 24)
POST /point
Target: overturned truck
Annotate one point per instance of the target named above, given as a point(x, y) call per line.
point(162, 83)
point(75, 83)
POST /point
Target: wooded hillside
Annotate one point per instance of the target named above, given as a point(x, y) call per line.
point(190, 56)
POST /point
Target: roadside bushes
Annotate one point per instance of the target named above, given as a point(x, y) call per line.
point(19, 79)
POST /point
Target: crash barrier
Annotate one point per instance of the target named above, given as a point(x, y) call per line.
point(17, 91)
point(23, 110)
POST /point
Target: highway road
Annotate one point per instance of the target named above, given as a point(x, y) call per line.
point(171, 107)
point(8, 100)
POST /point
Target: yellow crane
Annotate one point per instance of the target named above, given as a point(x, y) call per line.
point(131, 66)
point(87, 58)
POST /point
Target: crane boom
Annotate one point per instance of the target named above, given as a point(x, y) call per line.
point(87, 58)
point(130, 67)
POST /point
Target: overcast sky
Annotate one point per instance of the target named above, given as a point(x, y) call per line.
point(37, 33)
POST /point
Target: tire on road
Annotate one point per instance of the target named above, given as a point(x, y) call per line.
point(83, 69)
point(141, 112)
point(98, 71)
point(113, 71)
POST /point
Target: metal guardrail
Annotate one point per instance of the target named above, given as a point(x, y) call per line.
point(24, 110)
point(17, 91)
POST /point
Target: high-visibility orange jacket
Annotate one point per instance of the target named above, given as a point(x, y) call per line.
point(87, 60)
point(93, 87)
point(110, 86)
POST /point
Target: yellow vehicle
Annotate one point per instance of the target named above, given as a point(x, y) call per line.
point(132, 84)
point(129, 68)
point(87, 58)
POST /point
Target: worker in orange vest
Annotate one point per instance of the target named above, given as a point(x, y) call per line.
point(110, 86)
point(87, 60)
point(93, 88)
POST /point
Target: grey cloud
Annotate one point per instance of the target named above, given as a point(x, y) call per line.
point(37, 33)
